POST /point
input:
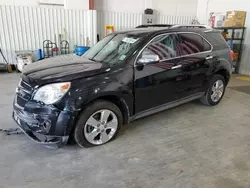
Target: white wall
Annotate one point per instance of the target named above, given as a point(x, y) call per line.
point(176, 7)
point(57, 2)
point(121, 5)
point(25, 32)
point(201, 10)
point(68, 4)
point(165, 7)
point(76, 4)
point(29, 2)
point(20, 2)
point(206, 6)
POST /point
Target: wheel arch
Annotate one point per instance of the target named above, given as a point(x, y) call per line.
point(224, 68)
point(225, 73)
point(119, 102)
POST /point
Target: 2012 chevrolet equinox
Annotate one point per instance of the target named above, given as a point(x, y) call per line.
point(126, 76)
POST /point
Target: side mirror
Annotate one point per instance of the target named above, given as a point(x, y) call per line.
point(148, 59)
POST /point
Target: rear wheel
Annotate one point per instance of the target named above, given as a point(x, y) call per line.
point(215, 91)
point(99, 123)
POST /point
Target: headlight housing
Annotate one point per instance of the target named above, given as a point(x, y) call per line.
point(51, 93)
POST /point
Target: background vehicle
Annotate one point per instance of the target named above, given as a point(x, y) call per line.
point(126, 76)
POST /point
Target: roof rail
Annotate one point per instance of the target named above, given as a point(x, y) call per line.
point(154, 25)
point(174, 26)
point(192, 26)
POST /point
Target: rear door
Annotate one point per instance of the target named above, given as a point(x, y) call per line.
point(197, 57)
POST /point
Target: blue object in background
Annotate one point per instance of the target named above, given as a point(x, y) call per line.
point(39, 54)
point(80, 50)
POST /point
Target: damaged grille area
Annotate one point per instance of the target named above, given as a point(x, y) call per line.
point(23, 93)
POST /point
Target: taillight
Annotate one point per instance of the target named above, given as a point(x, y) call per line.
point(232, 55)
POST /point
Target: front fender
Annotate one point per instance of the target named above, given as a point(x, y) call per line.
point(117, 83)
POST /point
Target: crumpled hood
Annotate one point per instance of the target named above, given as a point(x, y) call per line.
point(62, 68)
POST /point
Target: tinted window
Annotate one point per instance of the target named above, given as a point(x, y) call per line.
point(207, 46)
point(165, 46)
point(217, 40)
point(193, 43)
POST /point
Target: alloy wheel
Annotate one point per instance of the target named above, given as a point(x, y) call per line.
point(217, 91)
point(101, 127)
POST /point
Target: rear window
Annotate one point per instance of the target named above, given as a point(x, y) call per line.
point(217, 40)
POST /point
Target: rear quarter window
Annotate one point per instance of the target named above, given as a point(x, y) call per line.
point(217, 40)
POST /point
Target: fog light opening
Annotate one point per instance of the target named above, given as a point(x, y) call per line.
point(46, 125)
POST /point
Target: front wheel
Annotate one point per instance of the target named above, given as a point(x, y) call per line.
point(215, 91)
point(98, 124)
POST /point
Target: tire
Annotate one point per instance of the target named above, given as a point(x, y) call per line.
point(207, 98)
point(84, 134)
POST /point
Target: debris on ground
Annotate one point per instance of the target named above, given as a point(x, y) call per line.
point(11, 131)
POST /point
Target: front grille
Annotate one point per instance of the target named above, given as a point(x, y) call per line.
point(25, 86)
point(23, 93)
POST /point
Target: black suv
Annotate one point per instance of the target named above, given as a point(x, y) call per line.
point(127, 75)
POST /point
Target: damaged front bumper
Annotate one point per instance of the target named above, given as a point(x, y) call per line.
point(44, 128)
point(39, 138)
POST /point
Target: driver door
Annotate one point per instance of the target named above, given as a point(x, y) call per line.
point(158, 82)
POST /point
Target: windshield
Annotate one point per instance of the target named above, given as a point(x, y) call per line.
point(113, 49)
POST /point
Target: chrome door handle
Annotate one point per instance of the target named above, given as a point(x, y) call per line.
point(209, 57)
point(176, 67)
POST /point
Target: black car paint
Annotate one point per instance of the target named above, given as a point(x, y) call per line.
point(62, 68)
point(136, 88)
point(101, 80)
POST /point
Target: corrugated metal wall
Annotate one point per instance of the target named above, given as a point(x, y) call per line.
point(25, 28)
point(118, 19)
point(131, 20)
point(165, 19)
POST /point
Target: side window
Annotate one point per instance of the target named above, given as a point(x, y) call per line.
point(165, 46)
point(193, 43)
